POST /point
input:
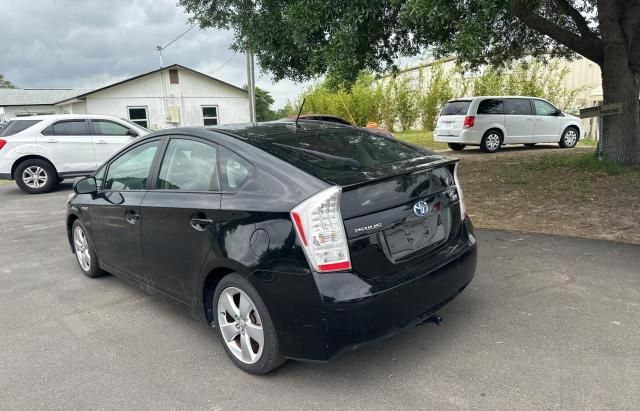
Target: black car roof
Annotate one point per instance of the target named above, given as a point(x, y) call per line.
point(256, 130)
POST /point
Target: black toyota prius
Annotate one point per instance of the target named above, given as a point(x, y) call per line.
point(295, 241)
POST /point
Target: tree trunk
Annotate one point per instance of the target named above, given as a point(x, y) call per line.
point(621, 132)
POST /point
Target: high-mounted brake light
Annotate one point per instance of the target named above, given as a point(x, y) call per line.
point(319, 225)
point(463, 208)
point(469, 121)
point(2, 143)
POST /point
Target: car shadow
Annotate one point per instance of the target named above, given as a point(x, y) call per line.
point(469, 150)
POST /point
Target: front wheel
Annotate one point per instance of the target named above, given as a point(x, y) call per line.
point(36, 176)
point(457, 146)
point(85, 254)
point(244, 326)
point(569, 138)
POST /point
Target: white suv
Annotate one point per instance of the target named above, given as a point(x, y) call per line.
point(40, 151)
point(490, 122)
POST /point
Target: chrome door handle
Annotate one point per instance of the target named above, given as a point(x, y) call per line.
point(200, 224)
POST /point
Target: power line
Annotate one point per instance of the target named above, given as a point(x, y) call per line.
point(160, 48)
point(225, 63)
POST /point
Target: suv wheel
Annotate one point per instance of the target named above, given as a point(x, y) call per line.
point(569, 138)
point(491, 141)
point(244, 326)
point(457, 146)
point(36, 176)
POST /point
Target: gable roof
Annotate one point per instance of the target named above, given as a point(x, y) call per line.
point(173, 66)
point(37, 96)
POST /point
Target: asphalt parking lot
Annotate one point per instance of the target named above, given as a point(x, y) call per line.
point(549, 322)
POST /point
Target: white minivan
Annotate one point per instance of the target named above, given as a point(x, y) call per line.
point(40, 151)
point(490, 122)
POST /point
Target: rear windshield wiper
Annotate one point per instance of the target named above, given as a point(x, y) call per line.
point(341, 161)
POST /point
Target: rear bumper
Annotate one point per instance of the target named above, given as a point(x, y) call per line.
point(466, 136)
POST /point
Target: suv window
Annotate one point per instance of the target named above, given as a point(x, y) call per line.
point(517, 106)
point(544, 109)
point(16, 126)
point(189, 165)
point(131, 170)
point(491, 106)
point(108, 128)
point(67, 128)
point(456, 108)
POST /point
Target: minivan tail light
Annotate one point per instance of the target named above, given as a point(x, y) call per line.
point(319, 225)
point(469, 121)
point(2, 143)
point(463, 208)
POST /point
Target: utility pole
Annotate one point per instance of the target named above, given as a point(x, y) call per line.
point(251, 87)
point(160, 48)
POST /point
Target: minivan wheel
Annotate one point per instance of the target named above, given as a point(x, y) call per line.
point(569, 138)
point(35, 176)
point(244, 326)
point(457, 146)
point(85, 254)
point(491, 142)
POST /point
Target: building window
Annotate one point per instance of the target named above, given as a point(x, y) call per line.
point(210, 115)
point(173, 76)
point(139, 116)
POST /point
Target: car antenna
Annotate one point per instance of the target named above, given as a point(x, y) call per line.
point(300, 111)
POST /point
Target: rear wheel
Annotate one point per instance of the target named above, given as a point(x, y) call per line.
point(457, 146)
point(36, 176)
point(491, 141)
point(569, 138)
point(244, 326)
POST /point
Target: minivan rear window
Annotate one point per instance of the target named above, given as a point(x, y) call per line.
point(456, 108)
point(16, 126)
point(338, 149)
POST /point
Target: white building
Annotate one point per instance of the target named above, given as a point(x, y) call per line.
point(173, 96)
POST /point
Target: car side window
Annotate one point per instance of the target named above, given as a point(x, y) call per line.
point(491, 106)
point(130, 171)
point(67, 128)
point(188, 165)
point(234, 170)
point(544, 109)
point(108, 128)
point(517, 106)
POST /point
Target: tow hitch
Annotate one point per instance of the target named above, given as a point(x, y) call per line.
point(434, 319)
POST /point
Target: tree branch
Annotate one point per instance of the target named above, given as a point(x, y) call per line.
point(577, 17)
point(590, 48)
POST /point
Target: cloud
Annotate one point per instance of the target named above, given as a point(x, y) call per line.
point(91, 43)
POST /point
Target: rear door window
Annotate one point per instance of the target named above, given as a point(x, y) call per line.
point(456, 108)
point(491, 106)
point(67, 128)
point(188, 165)
point(16, 126)
point(517, 106)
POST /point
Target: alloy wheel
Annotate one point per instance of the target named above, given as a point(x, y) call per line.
point(34, 177)
point(493, 142)
point(240, 325)
point(81, 246)
point(570, 138)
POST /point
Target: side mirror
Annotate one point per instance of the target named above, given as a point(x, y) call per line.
point(132, 133)
point(558, 113)
point(85, 185)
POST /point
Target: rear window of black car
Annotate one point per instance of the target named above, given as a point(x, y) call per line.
point(338, 149)
point(456, 108)
point(16, 126)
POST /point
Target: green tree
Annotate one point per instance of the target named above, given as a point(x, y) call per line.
point(4, 83)
point(437, 91)
point(263, 105)
point(301, 39)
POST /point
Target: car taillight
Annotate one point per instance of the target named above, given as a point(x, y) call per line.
point(463, 208)
point(2, 143)
point(469, 121)
point(319, 225)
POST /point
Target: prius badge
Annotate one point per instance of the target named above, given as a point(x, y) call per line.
point(421, 208)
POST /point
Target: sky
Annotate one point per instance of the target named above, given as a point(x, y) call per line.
point(92, 43)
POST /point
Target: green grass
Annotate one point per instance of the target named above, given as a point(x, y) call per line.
point(589, 142)
point(586, 162)
point(420, 138)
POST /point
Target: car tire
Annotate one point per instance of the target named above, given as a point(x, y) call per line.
point(530, 144)
point(569, 138)
point(36, 176)
point(85, 253)
point(491, 141)
point(457, 146)
point(242, 346)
